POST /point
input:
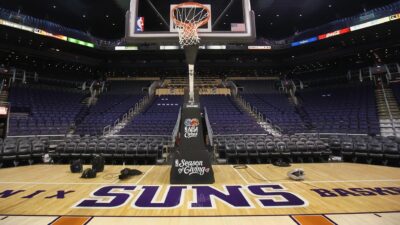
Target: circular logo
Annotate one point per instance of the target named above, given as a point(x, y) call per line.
point(192, 122)
point(195, 122)
point(188, 122)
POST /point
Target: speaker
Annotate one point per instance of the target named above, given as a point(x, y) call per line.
point(98, 163)
point(76, 166)
point(88, 173)
point(296, 174)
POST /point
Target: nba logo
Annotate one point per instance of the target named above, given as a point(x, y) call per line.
point(140, 24)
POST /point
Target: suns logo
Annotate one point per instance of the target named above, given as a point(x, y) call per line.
point(204, 197)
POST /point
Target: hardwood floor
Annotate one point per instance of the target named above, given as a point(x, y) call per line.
point(335, 192)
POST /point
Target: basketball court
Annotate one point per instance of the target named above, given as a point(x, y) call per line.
point(335, 193)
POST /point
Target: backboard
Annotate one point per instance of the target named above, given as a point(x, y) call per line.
point(149, 21)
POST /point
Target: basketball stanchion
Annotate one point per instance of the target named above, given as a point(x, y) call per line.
point(187, 18)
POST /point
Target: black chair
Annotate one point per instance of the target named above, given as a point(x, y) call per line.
point(262, 151)
point(305, 154)
point(9, 152)
point(101, 147)
point(141, 153)
point(68, 150)
point(269, 149)
point(38, 150)
point(252, 151)
point(230, 151)
point(90, 150)
point(81, 148)
point(131, 152)
point(221, 142)
point(307, 149)
point(391, 154)
point(55, 154)
point(24, 151)
point(295, 152)
point(335, 144)
point(321, 152)
point(375, 153)
point(286, 154)
point(110, 151)
point(241, 150)
point(121, 151)
point(153, 150)
point(348, 151)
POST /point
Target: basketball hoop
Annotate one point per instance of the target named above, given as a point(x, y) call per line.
point(188, 17)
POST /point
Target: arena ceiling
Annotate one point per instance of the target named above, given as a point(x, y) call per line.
point(275, 19)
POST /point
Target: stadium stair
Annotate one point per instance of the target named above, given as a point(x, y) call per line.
point(259, 118)
point(4, 96)
point(304, 116)
point(144, 104)
point(87, 101)
point(389, 112)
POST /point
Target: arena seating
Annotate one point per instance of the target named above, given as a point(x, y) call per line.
point(120, 96)
point(345, 109)
point(269, 149)
point(130, 149)
point(159, 119)
point(133, 150)
point(109, 108)
point(22, 150)
point(367, 149)
point(227, 118)
point(257, 86)
point(127, 87)
point(396, 91)
point(277, 108)
point(236, 149)
point(43, 110)
point(237, 136)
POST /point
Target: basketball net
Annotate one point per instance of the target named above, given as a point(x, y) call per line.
point(188, 35)
point(188, 17)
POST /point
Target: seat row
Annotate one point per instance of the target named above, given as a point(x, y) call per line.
point(111, 151)
point(271, 151)
point(14, 152)
point(371, 152)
